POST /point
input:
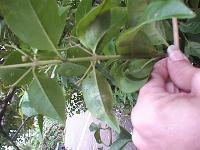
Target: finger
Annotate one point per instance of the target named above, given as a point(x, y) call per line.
point(181, 72)
point(171, 87)
point(158, 79)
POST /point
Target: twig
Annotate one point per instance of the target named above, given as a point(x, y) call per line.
point(19, 50)
point(6, 101)
point(54, 62)
point(176, 32)
point(2, 113)
point(19, 129)
point(79, 46)
point(85, 74)
point(21, 78)
point(8, 138)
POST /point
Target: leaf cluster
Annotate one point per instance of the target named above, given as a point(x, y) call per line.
point(113, 44)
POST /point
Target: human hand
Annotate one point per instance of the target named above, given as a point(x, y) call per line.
point(167, 113)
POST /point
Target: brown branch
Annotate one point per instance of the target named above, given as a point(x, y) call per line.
point(6, 101)
point(19, 129)
point(8, 138)
point(2, 113)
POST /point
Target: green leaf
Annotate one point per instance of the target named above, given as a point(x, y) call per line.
point(10, 75)
point(119, 17)
point(135, 44)
point(160, 10)
point(156, 33)
point(124, 83)
point(36, 22)
point(40, 122)
point(96, 23)
point(98, 97)
point(97, 136)
point(71, 69)
point(140, 68)
point(84, 7)
point(155, 11)
point(135, 10)
point(193, 49)
point(63, 12)
point(26, 107)
point(191, 25)
point(43, 98)
point(123, 139)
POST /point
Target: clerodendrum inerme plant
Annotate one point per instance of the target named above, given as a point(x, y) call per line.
point(51, 40)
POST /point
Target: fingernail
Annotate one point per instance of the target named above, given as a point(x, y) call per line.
point(175, 54)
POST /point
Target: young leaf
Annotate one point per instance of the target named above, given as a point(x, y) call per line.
point(70, 69)
point(35, 22)
point(84, 7)
point(43, 98)
point(26, 107)
point(123, 139)
point(98, 97)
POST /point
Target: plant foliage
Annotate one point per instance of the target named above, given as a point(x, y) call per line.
point(47, 41)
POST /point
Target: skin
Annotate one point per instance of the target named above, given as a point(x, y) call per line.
point(167, 113)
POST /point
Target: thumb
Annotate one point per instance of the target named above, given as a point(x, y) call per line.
point(181, 71)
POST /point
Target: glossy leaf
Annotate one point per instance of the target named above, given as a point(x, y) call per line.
point(70, 69)
point(119, 18)
point(95, 24)
point(98, 97)
point(10, 75)
point(136, 44)
point(123, 139)
point(140, 68)
point(84, 7)
point(47, 98)
point(160, 10)
point(124, 83)
point(155, 11)
point(26, 107)
point(156, 33)
point(135, 10)
point(36, 22)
